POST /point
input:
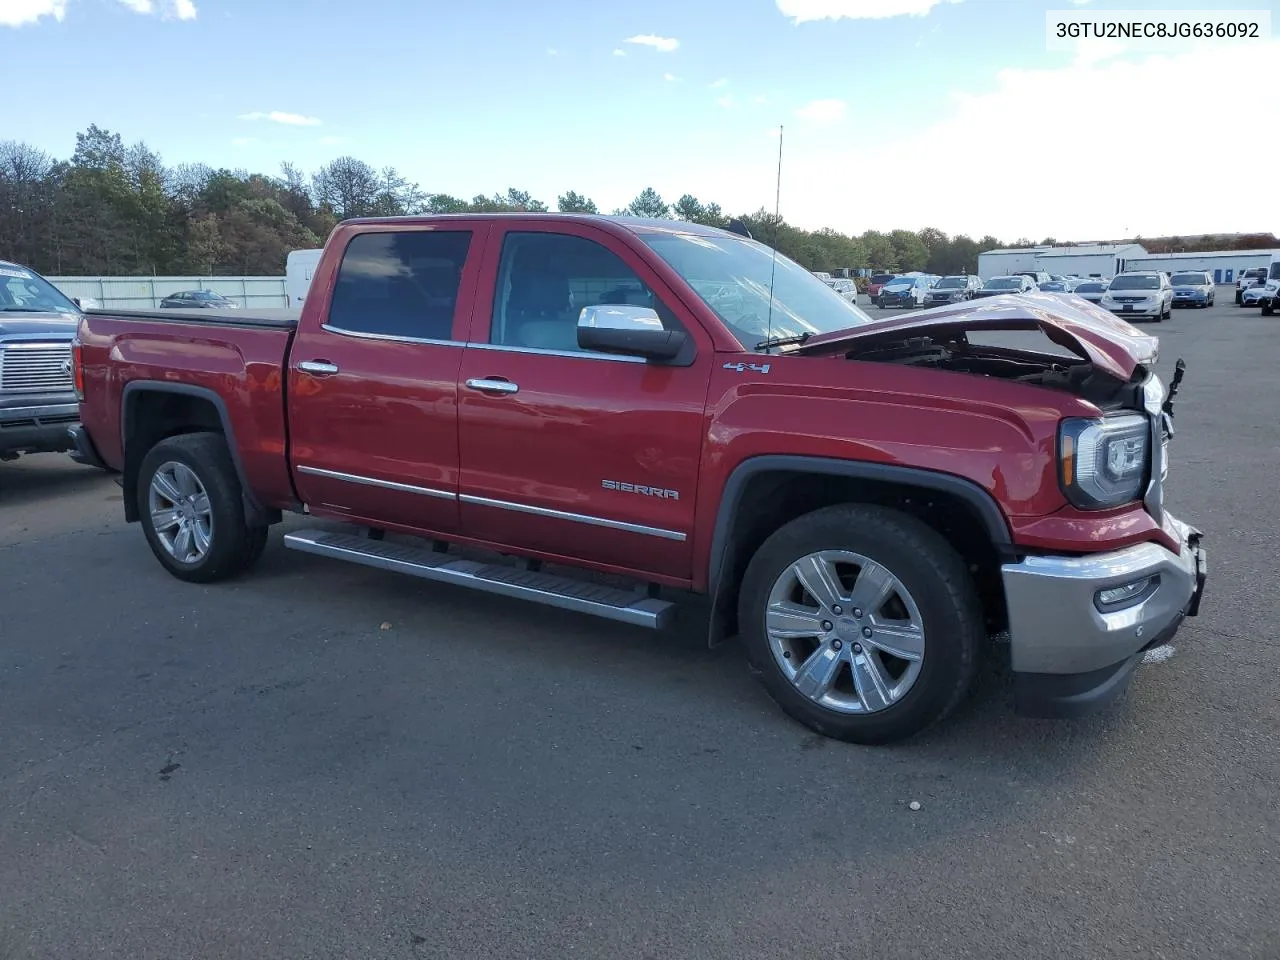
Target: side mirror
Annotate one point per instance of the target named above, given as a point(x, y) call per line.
point(636, 331)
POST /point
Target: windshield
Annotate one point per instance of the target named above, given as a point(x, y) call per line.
point(204, 295)
point(22, 291)
point(881, 278)
point(1135, 283)
point(1275, 271)
point(732, 277)
point(1189, 279)
point(1091, 288)
point(951, 283)
point(1004, 283)
point(1053, 286)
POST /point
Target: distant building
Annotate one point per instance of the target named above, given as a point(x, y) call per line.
point(1225, 266)
point(1082, 260)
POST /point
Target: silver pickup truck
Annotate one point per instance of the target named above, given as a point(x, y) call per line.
point(37, 398)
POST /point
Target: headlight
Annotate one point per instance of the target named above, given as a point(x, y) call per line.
point(1103, 462)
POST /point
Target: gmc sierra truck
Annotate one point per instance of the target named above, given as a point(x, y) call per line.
point(645, 407)
point(37, 402)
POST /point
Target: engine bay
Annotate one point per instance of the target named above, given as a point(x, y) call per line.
point(1074, 375)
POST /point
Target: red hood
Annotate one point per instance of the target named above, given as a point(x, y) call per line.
point(1085, 329)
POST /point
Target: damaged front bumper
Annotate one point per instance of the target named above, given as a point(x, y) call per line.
point(1079, 626)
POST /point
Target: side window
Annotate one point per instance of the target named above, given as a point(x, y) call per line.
point(544, 281)
point(400, 284)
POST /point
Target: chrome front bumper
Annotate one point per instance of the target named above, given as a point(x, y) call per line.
point(1070, 652)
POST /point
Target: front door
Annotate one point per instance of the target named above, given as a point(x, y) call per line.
point(373, 398)
point(565, 452)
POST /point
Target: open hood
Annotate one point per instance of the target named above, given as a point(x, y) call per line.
point(1111, 345)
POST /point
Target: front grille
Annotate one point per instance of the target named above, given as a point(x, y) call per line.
point(36, 368)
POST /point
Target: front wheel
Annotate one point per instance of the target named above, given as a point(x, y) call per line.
point(189, 502)
point(861, 622)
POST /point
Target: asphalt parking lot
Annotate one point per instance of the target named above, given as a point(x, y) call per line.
point(260, 769)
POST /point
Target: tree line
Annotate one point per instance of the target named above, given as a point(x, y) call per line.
point(115, 209)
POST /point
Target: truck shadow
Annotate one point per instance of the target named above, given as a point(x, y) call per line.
point(42, 476)
point(678, 661)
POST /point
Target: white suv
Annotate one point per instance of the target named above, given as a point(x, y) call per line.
point(1140, 294)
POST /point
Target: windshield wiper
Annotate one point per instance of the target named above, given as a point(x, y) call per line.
point(24, 310)
point(783, 341)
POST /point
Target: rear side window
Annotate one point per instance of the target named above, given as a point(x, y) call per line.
point(400, 284)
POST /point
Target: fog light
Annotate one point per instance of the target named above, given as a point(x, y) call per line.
point(1114, 596)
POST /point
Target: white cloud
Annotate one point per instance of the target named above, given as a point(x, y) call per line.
point(759, 100)
point(16, 13)
point(824, 111)
point(670, 77)
point(1081, 183)
point(804, 11)
point(552, 52)
point(661, 44)
point(720, 84)
point(726, 102)
point(169, 9)
point(619, 52)
point(279, 116)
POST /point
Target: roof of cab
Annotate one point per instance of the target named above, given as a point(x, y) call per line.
point(637, 225)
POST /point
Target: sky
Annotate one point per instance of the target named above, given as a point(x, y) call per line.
point(954, 114)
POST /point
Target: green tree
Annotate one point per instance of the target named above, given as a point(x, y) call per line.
point(649, 204)
point(573, 202)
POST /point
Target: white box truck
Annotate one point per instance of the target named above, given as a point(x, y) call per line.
point(299, 266)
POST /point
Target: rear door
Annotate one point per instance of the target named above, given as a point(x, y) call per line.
point(373, 375)
point(583, 455)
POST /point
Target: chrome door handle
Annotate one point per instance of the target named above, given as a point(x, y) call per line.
point(319, 367)
point(493, 386)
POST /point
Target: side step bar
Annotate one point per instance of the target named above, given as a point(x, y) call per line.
point(567, 593)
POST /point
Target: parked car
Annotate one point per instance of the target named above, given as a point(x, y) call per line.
point(824, 277)
point(1271, 297)
point(877, 281)
point(846, 288)
point(1137, 294)
point(1091, 290)
point(1018, 283)
point(904, 292)
point(1254, 295)
point(198, 300)
point(38, 403)
point(954, 289)
point(1055, 286)
point(1247, 279)
point(1037, 277)
point(618, 396)
point(1193, 288)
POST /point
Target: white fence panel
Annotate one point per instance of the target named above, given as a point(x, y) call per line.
point(145, 293)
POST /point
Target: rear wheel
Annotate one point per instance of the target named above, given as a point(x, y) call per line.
point(861, 622)
point(189, 502)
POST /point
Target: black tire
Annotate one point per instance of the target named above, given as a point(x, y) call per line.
point(1267, 310)
point(233, 545)
point(1239, 298)
point(931, 571)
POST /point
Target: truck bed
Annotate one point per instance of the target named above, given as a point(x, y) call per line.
point(231, 361)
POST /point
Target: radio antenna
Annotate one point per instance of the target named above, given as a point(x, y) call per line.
point(777, 218)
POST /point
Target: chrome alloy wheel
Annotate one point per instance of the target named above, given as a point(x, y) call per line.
point(845, 631)
point(180, 512)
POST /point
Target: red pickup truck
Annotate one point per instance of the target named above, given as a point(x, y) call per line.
point(647, 407)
